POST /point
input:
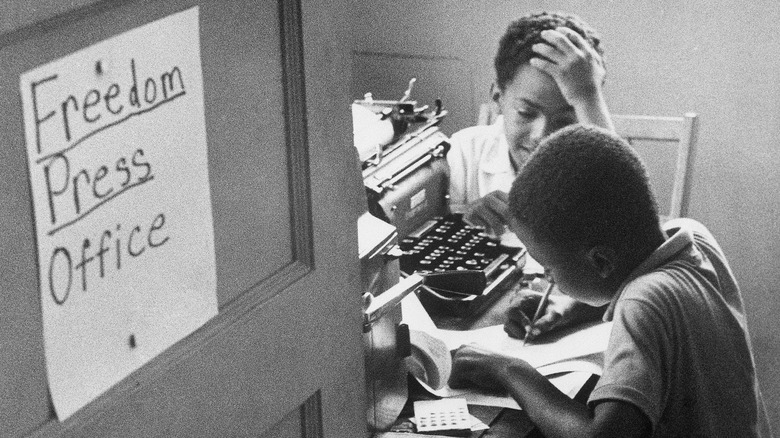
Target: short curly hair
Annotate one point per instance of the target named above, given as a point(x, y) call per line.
point(586, 186)
point(514, 48)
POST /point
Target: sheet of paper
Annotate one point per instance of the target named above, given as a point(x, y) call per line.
point(583, 341)
point(415, 316)
point(570, 344)
point(117, 153)
point(568, 383)
point(569, 358)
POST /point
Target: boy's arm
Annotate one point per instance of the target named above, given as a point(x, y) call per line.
point(554, 413)
point(456, 166)
point(579, 72)
point(490, 211)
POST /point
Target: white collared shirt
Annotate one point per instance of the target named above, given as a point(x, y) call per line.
point(479, 164)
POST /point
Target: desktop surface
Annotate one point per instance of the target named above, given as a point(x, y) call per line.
point(502, 422)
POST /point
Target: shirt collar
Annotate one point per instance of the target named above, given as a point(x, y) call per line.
point(674, 243)
point(495, 158)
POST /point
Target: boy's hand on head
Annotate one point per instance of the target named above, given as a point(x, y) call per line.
point(576, 66)
point(473, 365)
point(490, 211)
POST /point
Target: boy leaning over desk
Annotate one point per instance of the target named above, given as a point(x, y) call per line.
point(679, 360)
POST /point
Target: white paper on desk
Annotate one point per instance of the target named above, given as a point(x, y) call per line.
point(568, 383)
point(581, 341)
point(569, 358)
point(585, 343)
point(415, 316)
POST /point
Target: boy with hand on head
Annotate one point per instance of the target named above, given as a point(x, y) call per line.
point(549, 74)
point(679, 360)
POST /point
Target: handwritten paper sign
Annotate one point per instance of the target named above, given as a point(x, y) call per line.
point(116, 142)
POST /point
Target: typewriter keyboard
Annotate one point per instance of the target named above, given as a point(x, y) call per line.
point(448, 243)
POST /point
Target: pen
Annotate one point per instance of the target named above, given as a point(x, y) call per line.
point(540, 308)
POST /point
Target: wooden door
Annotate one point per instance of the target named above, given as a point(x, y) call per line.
point(283, 357)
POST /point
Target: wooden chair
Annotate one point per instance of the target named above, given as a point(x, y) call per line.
point(647, 132)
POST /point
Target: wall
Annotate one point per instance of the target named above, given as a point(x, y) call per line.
point(717, 58)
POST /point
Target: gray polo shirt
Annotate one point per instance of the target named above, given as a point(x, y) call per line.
point(679, 349)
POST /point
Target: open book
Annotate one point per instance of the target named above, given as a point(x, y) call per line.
point(568, 358)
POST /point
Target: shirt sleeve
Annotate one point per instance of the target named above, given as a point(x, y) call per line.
point(457, 175)
point(633, 363)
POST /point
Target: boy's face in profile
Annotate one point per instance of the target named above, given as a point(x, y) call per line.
point(572, 271)
point(533, 107)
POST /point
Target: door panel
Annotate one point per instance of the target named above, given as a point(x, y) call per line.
point(284, 355)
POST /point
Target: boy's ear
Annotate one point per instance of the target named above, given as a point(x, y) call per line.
point(603, 259)
point(495, 92)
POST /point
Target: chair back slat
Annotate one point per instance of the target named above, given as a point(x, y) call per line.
point(682, 130)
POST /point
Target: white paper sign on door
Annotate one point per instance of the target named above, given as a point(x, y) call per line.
point(116, 142)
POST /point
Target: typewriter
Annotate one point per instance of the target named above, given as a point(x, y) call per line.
point(406, 182)
point(410, 242)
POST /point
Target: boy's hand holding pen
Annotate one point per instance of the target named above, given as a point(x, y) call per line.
point(533, 314)
point(525, 313)
point(531, 331)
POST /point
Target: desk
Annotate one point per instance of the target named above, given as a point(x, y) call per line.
point(502, 422)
